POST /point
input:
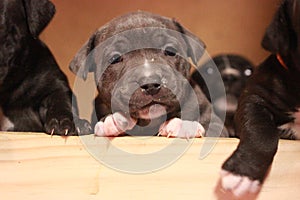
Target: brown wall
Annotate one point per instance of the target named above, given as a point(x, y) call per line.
point(231, 26)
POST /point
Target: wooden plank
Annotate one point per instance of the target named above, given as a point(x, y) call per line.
point(37, 166)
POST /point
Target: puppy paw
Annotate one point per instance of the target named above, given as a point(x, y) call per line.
point(60, 126)
point(82, 127)
point(239, 185)
point(114, 125)
point(181, 129)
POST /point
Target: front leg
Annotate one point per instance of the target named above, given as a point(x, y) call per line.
point(57, 115)
point(245, 170)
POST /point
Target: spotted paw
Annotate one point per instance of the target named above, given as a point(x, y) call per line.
point(239, 185)
point(181, 129)
point(114, 125)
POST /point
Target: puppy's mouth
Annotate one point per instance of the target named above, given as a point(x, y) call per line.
point(228, 104)
point(145, 106)
point(152, 111)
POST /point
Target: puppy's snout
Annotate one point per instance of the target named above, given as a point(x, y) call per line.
point(230, 75)
point(150, 84)
point(230, 78)
point(150, 77)
point(151, 88)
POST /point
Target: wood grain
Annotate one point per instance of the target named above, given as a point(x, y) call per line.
point(37, 166)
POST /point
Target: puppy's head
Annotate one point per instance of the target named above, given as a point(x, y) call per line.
point(140, 62)
point(283, 34)
point(20, 21)
point(234, 71)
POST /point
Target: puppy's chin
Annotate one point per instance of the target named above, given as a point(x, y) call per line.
point(228, 104)
point(152, 112)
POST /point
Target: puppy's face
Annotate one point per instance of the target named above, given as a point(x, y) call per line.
point(141, 64)
point(234, 71)
point(283, 34)
point(20, 21)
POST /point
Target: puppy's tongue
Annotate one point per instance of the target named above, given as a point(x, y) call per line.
point(152, 112)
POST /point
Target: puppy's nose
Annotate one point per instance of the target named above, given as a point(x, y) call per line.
point(150, 84)
point(151, 88)
point(230, 78)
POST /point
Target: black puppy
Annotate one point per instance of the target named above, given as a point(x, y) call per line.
point(34, 92)
point(269, 101)
point(141, 66)
point(235, 71)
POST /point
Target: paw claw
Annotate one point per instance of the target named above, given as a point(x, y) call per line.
point(52, 132)
point(83, 127)
point(170, 134)
point(59, 125)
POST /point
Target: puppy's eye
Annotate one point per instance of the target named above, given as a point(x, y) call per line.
point(248, 72)
point(116, 58)
point(210, 71)
point(170, 51)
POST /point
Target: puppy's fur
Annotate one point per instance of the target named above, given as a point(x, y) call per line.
point(152, 72)
point(270, 99)
point(34, 92)
point(235, 71)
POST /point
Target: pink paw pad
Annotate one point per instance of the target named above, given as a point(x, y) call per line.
point(113, 125)
point(181, 129)
point(239, 185)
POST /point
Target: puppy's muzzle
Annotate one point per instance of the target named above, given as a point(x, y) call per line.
point(150, 79)
point(230, 75)
point(151, 85)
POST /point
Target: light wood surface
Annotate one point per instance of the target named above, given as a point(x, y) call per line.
point(37, 166)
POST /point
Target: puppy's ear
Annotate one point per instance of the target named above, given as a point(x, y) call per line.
point(83, 61)
point(196, 47)
point(277, 37)
point(39, 13)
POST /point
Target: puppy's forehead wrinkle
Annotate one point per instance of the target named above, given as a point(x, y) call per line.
point(133, 21)
point(147, 47)
point(119, 44)
point(138, 22)
point(146, 38)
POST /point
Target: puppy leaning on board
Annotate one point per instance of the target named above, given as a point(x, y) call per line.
point(141, 68)
point(235, 71)
point(34, 92)
point(268, 104)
